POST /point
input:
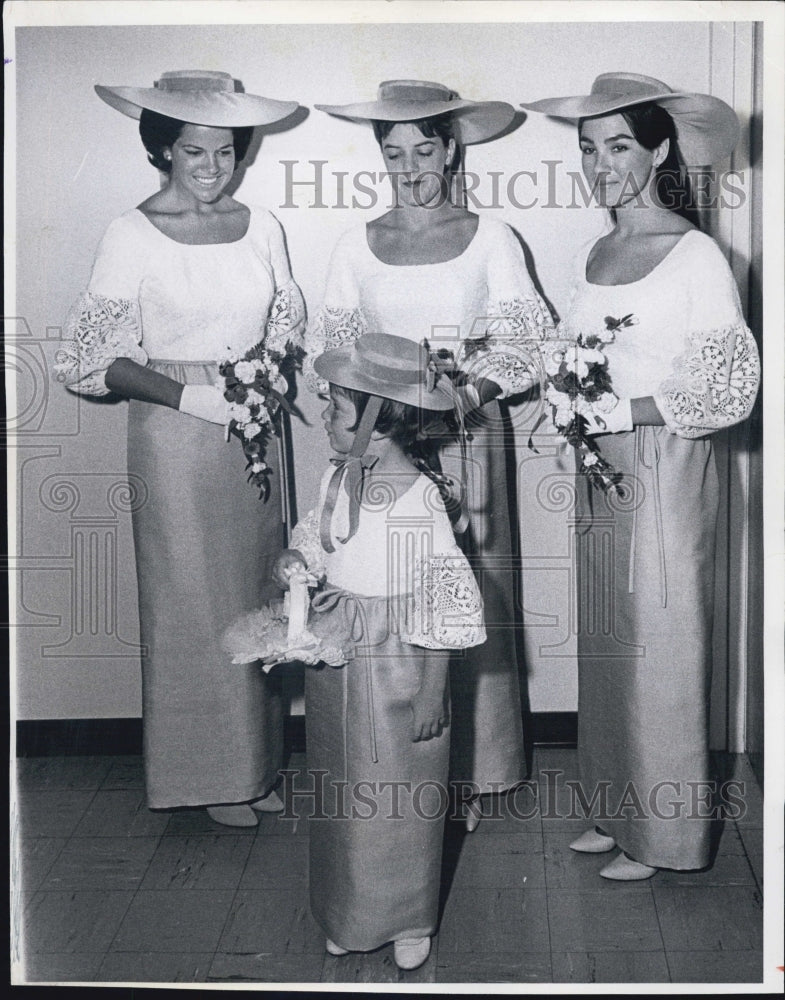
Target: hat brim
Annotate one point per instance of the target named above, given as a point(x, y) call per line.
point(707, 128)
point(218, 109)
point(339, 367)
point(478, 121)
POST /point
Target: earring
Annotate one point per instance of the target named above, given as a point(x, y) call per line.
point(167, 156)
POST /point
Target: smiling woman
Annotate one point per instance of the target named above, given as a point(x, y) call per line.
point(179, 283)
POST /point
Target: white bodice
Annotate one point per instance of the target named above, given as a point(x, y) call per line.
point(403, 545)
point(485, 294)
point(688, 345)
point(153, 298)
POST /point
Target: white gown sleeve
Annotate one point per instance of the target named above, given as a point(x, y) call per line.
point(286, 319)
point(339, 320)
point(105, 323)
point(506, 342)
point(715, 381)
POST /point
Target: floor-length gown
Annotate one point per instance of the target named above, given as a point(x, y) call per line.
point(204, 542)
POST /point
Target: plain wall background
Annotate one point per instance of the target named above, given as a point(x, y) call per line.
point(80, 164)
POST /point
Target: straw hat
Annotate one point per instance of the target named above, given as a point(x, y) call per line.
point(201, 97)
point(413, 100)
point(390, 367)
point(707, 129)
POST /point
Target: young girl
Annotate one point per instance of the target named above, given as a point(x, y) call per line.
point(401, 593)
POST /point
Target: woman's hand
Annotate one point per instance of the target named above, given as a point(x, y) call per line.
point(288, 562)
point(207, 402)
point(612, 422)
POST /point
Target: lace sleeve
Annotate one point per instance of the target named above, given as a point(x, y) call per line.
point(447, 604)
point(286, 320)
point(713, 384)
point(305, 538)
point(98, 331)
point(504, 345)
point(331, 327)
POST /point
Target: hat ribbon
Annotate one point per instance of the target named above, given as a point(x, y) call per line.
point(353, 469)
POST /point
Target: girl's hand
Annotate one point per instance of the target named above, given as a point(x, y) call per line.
point(613, 422)
point(288, 562)
point(429, 715)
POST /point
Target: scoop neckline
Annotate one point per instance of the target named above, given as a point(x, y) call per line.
point(627, 284)
point(179, 243)
point(438, 263)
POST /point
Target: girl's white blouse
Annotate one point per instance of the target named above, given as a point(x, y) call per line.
point(687, 345)
point(485, 295)
point(403, 546)
point(150, 297)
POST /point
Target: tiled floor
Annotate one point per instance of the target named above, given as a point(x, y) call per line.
point(110, 892)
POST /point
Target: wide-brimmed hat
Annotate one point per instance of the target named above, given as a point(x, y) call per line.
point(413, 100)
point(202, 97)
point(707, 128)
point(390, 367)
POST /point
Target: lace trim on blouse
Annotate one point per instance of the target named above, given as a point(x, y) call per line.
point(286, 320)
point(332, 327)
point(507, 350)
point(99, 330)
point(447, 607)
point(447, 604)
point(713, 384)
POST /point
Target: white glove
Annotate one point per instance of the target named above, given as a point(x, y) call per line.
point(206, 402)
point(618, 419)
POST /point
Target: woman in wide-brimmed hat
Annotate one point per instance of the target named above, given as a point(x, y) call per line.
point(683, 365)
point(430, 270)
point(185, 280)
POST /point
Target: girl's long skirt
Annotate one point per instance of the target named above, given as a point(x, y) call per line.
point(376, 829)
point(205, 544)
point(646, 584)
point(485, 681)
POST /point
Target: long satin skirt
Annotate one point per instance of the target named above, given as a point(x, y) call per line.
point(646, 586)
point(485, 681)
point(375, 833)
point(205, 545)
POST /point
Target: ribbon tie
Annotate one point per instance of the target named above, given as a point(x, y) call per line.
point(353, 467)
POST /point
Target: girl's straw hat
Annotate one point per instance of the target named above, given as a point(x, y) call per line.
point(390, 367)
point(707, 128)
point(201, 97)
point(413, 100)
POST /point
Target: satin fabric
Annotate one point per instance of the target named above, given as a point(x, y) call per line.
point(205, 546)
point(485, 684)
point(646, 588)
point(375, 865)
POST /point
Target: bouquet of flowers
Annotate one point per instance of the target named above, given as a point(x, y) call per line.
point(255, 386)
point(577, 384)
point(278, 632)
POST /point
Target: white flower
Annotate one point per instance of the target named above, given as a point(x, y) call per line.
point(246, 370)
point(251, 430)
point(264, 415)
point(237, 412)
point(590, 459)
point(606, 402)
point(254, 397)
point(258, 467)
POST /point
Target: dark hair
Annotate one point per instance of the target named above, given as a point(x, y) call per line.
point(439, 126)
point(402, 423)
point(651, 125)
point(159, 132)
